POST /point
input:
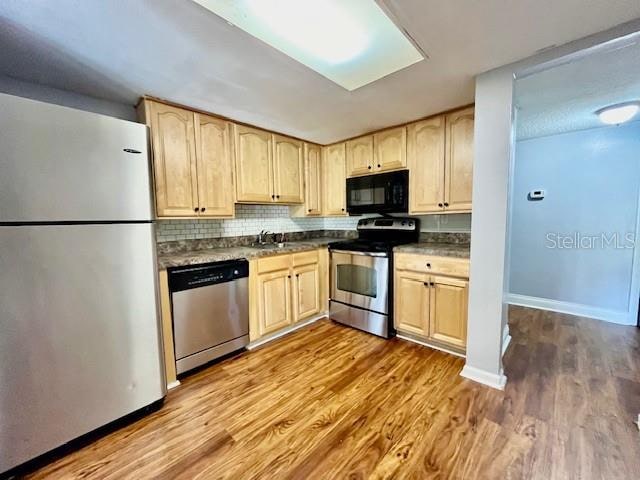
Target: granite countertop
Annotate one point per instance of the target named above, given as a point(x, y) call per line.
point(457, 250)
point(195, 257)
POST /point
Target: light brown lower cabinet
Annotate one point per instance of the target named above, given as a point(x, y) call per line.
point(284, 289)
point(429, 305)
point(448, 310)
point(274, 300)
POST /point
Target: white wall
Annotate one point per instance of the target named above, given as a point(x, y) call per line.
point(492, 169)
point(65, 98)
point(591, 179)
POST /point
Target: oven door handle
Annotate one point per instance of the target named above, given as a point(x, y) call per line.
point(364, 254)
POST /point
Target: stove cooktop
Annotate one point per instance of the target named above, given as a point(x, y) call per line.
point(367, 245)
point(381, 234)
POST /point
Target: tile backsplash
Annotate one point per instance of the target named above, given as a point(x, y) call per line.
point(251, 219)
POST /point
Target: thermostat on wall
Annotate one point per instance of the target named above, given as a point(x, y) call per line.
point(536, 195)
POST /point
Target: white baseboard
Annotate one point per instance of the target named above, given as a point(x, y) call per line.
point(425, 344)
point(285, 331)
point(173, 384)
point(486, 378)
point(612, 316)
point(506, 339)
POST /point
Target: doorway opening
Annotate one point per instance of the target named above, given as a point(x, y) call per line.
point(575, 192)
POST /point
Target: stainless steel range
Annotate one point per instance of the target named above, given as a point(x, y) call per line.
point(361, 273)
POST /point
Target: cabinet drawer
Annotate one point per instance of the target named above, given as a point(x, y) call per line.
point(305, 258)
point(271, 264)
point(456, 267)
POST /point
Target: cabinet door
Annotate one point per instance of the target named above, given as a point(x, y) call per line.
point(254, 165)
point(390, 147)
point(448, 319)
point(288, 170)
point(215, 177)
point(174, 161)
point(335, 195)
point(274, 301)
point(459, 161)
point(306, 291)
point(425, 158)
point(360, 156)
point(313, 180)
point(412, 302)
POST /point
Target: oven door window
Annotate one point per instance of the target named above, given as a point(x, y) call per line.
point(357, 279)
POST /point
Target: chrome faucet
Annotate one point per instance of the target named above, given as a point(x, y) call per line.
point(261, 237)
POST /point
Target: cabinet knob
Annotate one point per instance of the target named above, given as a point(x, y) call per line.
point(379, 165)
point(433, 284)
point(342, 209)
point(428, 265)
point(446, 204)
point(202, 209)
point(440, 205)
point(297, 275)
point(277, 196)
point(426, 284)
point(309, 210)
point(196, 209)
point(288, 276)
point(369, 167)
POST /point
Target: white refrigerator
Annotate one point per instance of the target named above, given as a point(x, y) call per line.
point(80, 341)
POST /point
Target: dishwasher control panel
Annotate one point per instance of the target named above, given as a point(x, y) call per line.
point(194, 276)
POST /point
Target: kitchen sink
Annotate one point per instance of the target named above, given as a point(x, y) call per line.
point(270, 246)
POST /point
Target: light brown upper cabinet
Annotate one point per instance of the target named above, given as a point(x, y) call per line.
point(191, 162)
point(334, 168)
point(425, 152)
point(254, 165)
point(268, 167)
point(214, 166)
point(390, 149)
point(459, 161)
point(360, 156)
point(174, 160)
point(287, 170)
point(312, 183)
point(440, 160)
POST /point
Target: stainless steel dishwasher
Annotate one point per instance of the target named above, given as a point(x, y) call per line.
point(210, 311)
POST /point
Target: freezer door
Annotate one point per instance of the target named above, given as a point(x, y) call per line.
point(79, 332)
point(61, 164)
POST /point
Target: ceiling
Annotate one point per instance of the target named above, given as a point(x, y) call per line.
point(177, 50)
point(565, 98)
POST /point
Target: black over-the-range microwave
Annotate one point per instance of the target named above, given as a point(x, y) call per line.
point(379, 193)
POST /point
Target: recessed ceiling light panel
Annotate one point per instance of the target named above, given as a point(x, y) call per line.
point(619, 113)
point(351, 42)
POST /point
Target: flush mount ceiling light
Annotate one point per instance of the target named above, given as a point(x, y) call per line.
point(619, 113)
point(352, 42)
